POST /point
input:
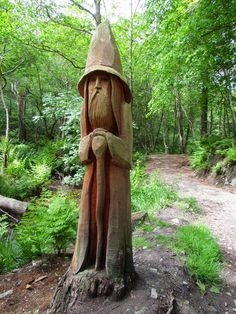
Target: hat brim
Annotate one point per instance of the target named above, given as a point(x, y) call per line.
point(109, 70)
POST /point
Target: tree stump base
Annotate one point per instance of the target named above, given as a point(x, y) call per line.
point(73, 289)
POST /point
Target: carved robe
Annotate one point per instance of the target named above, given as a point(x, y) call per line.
point(117, 246)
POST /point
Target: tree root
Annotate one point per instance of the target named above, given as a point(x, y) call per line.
point(74, 289)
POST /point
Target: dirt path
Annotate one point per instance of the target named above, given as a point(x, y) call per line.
point(218, 203)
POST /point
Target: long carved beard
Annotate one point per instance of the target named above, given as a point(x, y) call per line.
point(100, 111)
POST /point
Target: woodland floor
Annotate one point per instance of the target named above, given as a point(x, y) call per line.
point(157, 268)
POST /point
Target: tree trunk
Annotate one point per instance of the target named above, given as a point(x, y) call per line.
point(204, 112)
point(4, 151)
point(180, 122)
point(21, 116)
point(74, 289)
point(229, 100)
point(164, 135)
point(13, 206)
point(98, 17)
point(6, 110)
point(212, 120)
point(21, 104)
point(131, 46)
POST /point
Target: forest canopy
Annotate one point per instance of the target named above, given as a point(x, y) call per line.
point(178, 57)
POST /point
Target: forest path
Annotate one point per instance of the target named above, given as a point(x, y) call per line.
point(218, 204)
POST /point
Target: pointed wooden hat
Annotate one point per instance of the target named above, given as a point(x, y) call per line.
point(104, 55)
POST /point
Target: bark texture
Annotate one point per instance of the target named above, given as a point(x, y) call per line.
point(73, 290)
point(13, 206)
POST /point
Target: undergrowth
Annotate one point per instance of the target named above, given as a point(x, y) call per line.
point(200, 252)
point(142, 242)
point(223, 150)
point(48, 227)
point(148, 192)
point(29, 169)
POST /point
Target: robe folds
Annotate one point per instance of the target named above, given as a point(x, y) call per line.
point(117, 216)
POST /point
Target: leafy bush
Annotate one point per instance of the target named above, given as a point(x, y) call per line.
point(5, 149)
point(206, 149)
point(148, 192)
point(10, 250)
point(231, 154)
point(49, 226)
point(3, 226)
point(72, 167)
point(217, 168)
point(199, 159)
point(30, 169)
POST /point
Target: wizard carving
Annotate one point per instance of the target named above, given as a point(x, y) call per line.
point(104, 231)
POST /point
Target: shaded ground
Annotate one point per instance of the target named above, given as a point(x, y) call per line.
point(163, 285)
point(28, 296)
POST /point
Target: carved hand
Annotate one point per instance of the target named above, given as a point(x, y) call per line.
point(99, 145)
point(100, 131)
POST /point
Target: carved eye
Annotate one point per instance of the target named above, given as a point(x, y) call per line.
point(104, 78)
point(92, 79)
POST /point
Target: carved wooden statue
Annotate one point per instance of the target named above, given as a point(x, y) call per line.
point(103, 252)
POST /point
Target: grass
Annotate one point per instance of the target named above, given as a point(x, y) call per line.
point(162, 223)
point(149, 192)
point(141, 242)
point(189, 204)
point(200, 252)
point(152, 224)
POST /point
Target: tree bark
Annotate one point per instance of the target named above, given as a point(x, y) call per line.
point(21, 104)
point(180, 121)
point(98, 17)
point(5, 108)
point(164, 135)
point(21, 117)
point(13, 206)
point(204, 112)
point(75, 289)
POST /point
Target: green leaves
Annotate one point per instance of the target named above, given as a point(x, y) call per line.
point(49, 226)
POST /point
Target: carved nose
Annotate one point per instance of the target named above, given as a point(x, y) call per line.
point(98, 83)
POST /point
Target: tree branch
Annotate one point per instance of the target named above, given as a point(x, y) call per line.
point(14, 69)
point(219, 27)
point(48, 49)
point(81, 7)
point(67, 25)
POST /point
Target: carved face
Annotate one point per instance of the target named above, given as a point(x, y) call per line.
point(99, 84)
point(99, 101)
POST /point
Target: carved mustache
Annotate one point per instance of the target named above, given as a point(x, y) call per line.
point(93, 95)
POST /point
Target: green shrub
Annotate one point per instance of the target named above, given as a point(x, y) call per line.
point(148, 192)
point(49, 226)
point(231, 154)
point(206, 149)
point(29, 170)
point(50, 154)
point(139, 157)
point(72, 167)
point(10, 250)
point(3, 226)
point(217, 168)
point(199, 158)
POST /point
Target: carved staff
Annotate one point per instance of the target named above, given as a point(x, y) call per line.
point(99, 146)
